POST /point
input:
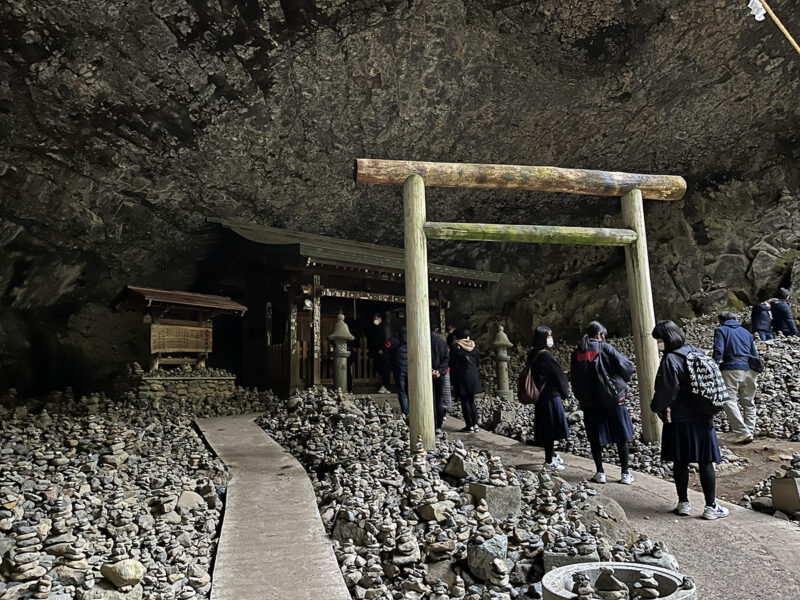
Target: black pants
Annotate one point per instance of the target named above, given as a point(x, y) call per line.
point(469, 409)
point(549, 450)
point(384, 368)
point(597, 455)
point(708, 481)
point(438, 405)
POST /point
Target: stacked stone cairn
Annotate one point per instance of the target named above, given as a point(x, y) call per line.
point(109, 498)
point(450, 523)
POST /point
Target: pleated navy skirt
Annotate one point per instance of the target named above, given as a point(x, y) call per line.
point(690, 441)
point(608, 426)
point(549, 420)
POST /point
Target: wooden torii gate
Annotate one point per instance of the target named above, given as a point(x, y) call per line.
point(414, 176)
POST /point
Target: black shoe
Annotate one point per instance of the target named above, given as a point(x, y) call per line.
point(466, 430)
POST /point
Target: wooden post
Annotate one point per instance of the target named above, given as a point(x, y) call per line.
point(420, 382)
point(291, 342)
point(642, 313)
point(316, 324)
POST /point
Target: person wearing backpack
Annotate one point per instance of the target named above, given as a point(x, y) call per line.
point(782, 317)
point(761, 320)
point(688, 435)
point(464, 360)
point(735, 352)
point(549, 420)
point(599, 375)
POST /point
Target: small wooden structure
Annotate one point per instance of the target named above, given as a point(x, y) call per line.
point(180, 322)
point(415, 175)
point(297, 283)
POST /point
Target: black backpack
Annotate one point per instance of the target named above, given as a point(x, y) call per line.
point(708, 388)
point(602, 392)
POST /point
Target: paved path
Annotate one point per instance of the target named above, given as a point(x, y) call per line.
point(748, 556)
point(273, 545)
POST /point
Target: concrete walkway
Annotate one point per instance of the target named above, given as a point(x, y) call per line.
point(273, 545)
point(748, 556)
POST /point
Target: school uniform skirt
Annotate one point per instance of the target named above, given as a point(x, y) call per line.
point(608, 426)
point(549, 420)
point(690, 441)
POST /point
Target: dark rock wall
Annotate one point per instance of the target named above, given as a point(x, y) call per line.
point(125, 124)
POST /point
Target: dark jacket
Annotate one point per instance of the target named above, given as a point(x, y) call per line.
point(761, 318)
point(377, 336)
point(673, 389)
point(782, 318)
point(733, 344)
point(440, 353)
point(584, 378)
point(464, 370)
point(547, 374)
point(398, 349)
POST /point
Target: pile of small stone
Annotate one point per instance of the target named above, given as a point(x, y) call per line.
point(787, 484)
point(109, 499)
point(451, 523)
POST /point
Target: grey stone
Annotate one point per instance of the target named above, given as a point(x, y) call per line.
point(615, 526)
point(462, 467)
point(190, 500)
point(105, 591)
point(481, 556)
point(440, 570)
point(436, 511)
point(502, 500)
point(344, 530)
point(124, 572)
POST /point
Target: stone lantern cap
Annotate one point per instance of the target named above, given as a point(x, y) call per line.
point(501, 339)
point(340, 333)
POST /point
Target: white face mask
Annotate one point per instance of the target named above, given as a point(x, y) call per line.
point(549, 342)
point(376, 321)
point(660, 346)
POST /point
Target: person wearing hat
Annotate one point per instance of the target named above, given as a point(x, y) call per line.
point(464, 360)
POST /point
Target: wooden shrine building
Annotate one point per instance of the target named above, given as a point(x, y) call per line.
point(295, 284)
point(179, 322)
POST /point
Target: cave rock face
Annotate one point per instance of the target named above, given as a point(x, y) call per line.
point(126, 124)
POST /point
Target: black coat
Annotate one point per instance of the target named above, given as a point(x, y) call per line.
point(440, 354)
point(377, 336)
point(464, 370)
point(673, 388)
point(783, 319)
point(547, 374)
point(398, 348)
point(584, 381)
point(761, 318)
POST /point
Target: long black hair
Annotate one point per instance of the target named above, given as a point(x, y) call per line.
point(670, 333)
point(592, 330)
point(540, 335)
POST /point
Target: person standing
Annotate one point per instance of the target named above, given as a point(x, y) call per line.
point(734, 346)
point(761, 320)
point(397, 348)
point(451, 334)
point(549, 420)
point(440, 360)
point(464, 360)
point(782, 317)
point(377, 336)
point(605, 424)
point(688, 436)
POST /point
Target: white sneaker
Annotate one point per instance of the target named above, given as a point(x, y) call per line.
point(383, 390)
point(715, 512)
point(558, 460)
point(684, 509)
point(627, 479)
point(555, 466)
point(599, 477)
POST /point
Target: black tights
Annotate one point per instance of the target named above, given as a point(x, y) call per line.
point(549, 451)
point(708, 481)
point(597, 455)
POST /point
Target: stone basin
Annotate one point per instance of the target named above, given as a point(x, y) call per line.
point(557, 584)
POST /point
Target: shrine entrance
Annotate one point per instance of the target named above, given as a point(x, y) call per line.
point(632, 188)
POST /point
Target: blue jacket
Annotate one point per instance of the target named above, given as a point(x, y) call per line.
point(761, 318)
point(397, 346)
point(783, 319)
point(733, 345)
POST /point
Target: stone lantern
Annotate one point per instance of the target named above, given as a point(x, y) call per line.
point(339, 338)
point(501, 346)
